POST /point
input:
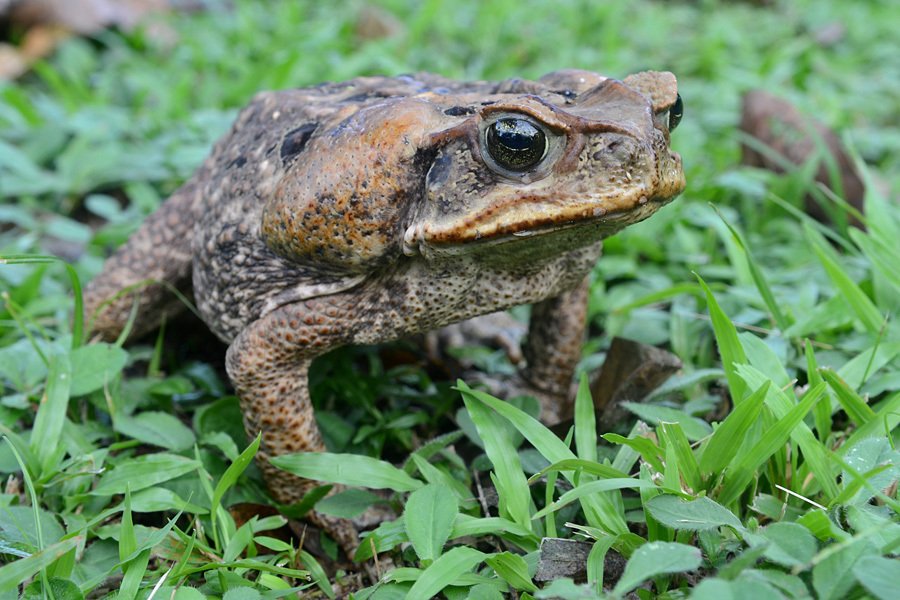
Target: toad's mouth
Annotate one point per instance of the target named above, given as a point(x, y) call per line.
point(532, 217)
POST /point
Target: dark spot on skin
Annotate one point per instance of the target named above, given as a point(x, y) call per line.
point(458, 111)
point(295, 140)
point(440, 170)
point(237, 163)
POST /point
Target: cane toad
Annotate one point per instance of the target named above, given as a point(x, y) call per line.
point(363, 211)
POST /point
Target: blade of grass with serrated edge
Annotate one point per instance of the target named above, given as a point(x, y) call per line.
point(228, 479)
point(726, 440)
point(822, 410)
point(687, 462)
point(774, 438)
point(51, 415)
point(599, 510)
point(444, 571)
point(512, 487)
point(730, 348)
point(585, 421)
point(855, 407)
point(815, 454)
point(864, 309)
point(765, 292)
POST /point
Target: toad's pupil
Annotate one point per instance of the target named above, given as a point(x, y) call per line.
point(516, 144)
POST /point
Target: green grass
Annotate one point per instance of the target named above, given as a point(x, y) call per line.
point(767, 467)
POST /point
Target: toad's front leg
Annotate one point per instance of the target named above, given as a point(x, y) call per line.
point(268, 364)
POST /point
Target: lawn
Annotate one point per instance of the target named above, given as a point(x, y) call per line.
point(766, 467)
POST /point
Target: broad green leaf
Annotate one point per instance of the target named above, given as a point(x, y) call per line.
point(887, 417)
point(156, 428)
point(348, 504)
point(347, 469)
point(444, 571)
point(657, 558)
point(243, 593)
point(730, 348)
point(512, 485)
point(696, 515)
point(429, 516)
point(14, 573)
point(790, 544)
point(60, 589)
point(721, 589)
point(466, 525)
point(143, 472)
point(95, 366)
point(512, 569)
point(726, 440)
point(51, 416)
point(879, 575)
point(832, 574)
point(19, 532)
point(158, 499)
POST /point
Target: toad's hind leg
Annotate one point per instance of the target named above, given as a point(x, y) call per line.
point(155, 260)
point(553, 348)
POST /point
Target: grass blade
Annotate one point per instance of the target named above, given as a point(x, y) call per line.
point(856, 299)
point(347, 469)
point(730, 348)
point(51, 416)
point(444, 571)
point(512, 486)
point(855, 407)
point(737, 478)
point(727, 438)
point(599, 510)
point(585, 422)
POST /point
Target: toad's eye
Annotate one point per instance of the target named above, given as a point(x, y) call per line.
point(516, 144)
point(675, 113)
